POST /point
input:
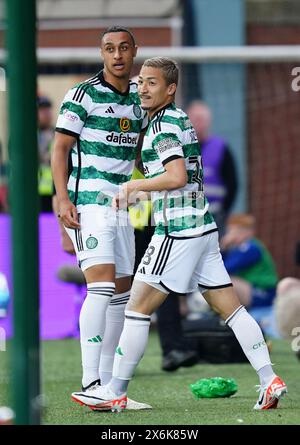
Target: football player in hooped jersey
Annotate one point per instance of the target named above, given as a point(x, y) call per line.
point(184, 251)
point(100, 121)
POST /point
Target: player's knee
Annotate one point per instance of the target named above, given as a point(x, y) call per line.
point(134, 306)
point(223, 301)
point(139, 305)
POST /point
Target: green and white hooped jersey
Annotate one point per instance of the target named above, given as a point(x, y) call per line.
point(182, 212)
point(106, 124)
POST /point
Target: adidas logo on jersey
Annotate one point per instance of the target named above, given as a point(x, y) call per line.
point(109, 110)
point(121, 138)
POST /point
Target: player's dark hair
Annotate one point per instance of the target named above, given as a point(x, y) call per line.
point(118, 29)
point(168, 67)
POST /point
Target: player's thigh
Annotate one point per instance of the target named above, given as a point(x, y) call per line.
point(100, 272)
point(213, 279)
point(210, 271)
point(224, 301)
point(94, 242)
point(170, 262)
point(145, 298)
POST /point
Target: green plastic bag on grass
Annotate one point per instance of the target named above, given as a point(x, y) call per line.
point(214, 387)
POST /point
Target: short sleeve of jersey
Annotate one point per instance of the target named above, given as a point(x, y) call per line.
point(73, 111)
point(167, 143)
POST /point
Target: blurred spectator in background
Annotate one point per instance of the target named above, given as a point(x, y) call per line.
point(251, 268)
point(220, 178)
point(45, 138)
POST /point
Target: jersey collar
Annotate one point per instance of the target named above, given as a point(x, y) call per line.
point(110, 86)
point(171, 105)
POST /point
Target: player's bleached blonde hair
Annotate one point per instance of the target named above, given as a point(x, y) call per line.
point(168, 67)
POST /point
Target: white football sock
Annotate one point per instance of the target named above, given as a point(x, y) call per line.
point(250, 337)
point(113, 329)
point(131, 348)
point(266, 374)
point(92, 326)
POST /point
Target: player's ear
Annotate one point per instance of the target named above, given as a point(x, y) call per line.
point(172, 89)
point(101, 55)
point(135, 50)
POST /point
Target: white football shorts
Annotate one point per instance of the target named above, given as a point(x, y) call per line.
point(183, 264)
point(105, 237)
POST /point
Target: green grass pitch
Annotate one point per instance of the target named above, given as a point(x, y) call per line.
point(168, 393)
